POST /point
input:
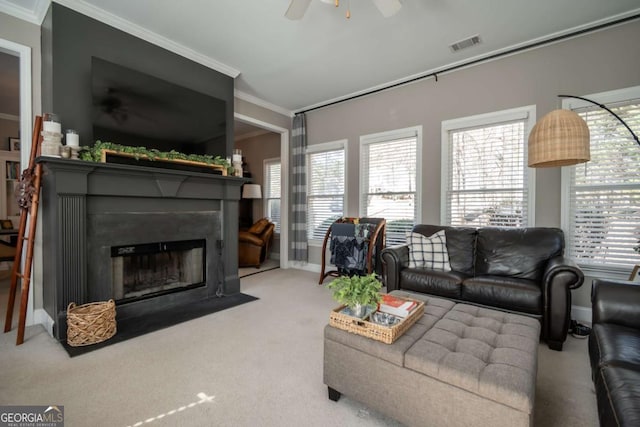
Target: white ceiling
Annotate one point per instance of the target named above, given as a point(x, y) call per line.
point(295, 65)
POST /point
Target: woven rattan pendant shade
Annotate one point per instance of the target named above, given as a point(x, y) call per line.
point(560, 138)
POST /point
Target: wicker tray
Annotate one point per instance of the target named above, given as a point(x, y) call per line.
point(90, 323)
point(386, 334)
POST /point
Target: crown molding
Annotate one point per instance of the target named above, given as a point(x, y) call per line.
point(129, 27)
point(262, 103)
point(33, 15)
point(41, 9)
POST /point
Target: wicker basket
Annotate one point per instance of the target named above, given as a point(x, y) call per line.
point(90, 323)
point(386, 334)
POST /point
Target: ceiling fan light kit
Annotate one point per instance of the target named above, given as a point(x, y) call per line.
point(297, 8)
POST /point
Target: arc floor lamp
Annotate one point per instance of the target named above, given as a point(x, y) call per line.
point(561, 138)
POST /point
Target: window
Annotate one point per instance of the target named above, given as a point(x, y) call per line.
point(601, 198)
point(325, 188)
point(390, 180)
point(485, 178)
point(272, 191)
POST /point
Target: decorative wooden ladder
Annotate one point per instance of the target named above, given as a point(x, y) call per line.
point(29, 193)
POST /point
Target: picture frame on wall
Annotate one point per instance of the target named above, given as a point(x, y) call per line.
point(635, 274)
point(14, 144)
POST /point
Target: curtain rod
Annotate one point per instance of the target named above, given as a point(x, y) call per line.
point(478, 61)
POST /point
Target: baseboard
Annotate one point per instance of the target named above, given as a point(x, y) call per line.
point(581, 314)
point(301, 265)
point(41, 316)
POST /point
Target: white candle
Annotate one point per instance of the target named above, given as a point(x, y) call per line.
point(73, 139)
point(51, 127)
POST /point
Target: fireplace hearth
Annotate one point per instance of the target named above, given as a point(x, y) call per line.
point(149, 238)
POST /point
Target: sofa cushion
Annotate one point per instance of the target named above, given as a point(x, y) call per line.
point(517, 252)
point(441, 283)
point(618, 395)
point(504, 292)
point(611, 343)
point(428, 252)
point(461, 245)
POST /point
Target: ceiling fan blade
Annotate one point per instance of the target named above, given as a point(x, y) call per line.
point(388, 7)
point(296, 9)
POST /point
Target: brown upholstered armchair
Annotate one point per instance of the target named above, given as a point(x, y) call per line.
point(254, 244)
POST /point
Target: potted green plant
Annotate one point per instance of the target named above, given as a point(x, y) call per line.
point(356, 292)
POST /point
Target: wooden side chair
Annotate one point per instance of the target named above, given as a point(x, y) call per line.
point(363, 234)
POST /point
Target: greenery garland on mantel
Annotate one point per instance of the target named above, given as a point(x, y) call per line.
point(94, 154)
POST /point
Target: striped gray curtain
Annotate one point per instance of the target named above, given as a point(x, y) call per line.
point(298, 250)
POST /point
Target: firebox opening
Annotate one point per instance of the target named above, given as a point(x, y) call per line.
point(152, 269)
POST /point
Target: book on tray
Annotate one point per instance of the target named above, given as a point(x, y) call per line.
point(397, 306)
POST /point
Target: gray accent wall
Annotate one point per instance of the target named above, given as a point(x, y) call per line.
point(70, 39)
point(596, 62)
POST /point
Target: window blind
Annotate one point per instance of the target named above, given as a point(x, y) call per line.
point(604, 193)
point(325, 191)
point(272, 192)
point(388, 178)
point(486, 184)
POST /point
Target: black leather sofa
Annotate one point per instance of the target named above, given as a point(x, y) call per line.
point(520, 270)
point(614, 351)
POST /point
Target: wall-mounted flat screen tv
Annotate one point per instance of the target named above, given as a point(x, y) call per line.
point(136, 109)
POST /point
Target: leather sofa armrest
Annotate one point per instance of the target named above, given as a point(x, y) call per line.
point(247, 237)
point(561, 275)
point(616, 301)
point(394, 259)
point(561, 271)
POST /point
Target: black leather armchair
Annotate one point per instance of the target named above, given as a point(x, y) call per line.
point(614, 351)
point(521, 270)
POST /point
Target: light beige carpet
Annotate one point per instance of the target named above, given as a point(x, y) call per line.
point(258, 364)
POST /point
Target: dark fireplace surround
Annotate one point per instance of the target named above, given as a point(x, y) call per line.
point(88, 209)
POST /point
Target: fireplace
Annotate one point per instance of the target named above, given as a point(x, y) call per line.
point(149, 238)
point(152, 269)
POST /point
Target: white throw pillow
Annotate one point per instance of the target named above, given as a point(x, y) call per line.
point(428, 252)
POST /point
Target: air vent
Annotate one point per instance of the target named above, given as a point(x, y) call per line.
point(463, 44)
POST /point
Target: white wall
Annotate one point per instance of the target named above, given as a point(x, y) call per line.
point(596, 62)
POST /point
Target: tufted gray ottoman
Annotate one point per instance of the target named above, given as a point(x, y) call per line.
point(459, 365)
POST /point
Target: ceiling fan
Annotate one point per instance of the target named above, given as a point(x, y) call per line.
point(297, 8)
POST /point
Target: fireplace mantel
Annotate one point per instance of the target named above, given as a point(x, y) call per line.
point(75, 191)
